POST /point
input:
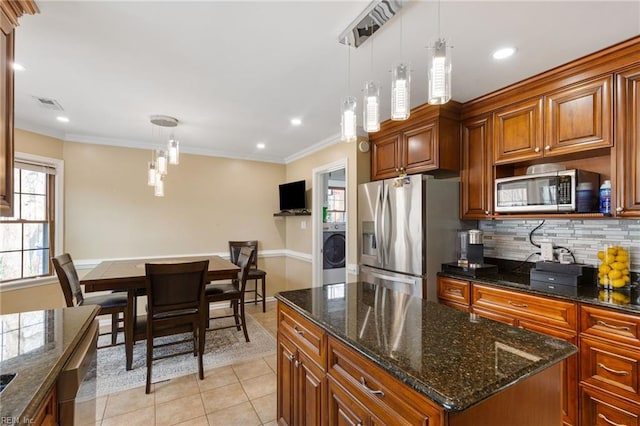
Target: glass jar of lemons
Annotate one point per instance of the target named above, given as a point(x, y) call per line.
point(613, 271)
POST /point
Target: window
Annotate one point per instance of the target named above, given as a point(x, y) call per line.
point(27, 239)
point(336, 201)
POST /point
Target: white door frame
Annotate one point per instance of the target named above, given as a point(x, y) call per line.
point(316, 216)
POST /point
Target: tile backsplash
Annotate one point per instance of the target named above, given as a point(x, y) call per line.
point(509, 239)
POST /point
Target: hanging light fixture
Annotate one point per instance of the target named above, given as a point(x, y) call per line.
point(400, 88)
point(371, 104)
point(348, 110)
point(439, 70)
point(157, 168)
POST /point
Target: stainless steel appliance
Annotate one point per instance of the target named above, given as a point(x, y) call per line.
point(407, 229)
point(333, 253)
point(546, 192)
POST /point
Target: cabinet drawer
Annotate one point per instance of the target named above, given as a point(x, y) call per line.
point(388, 399)
point(542, 309)
point(453, 290)
point(609, 367)
point(603, 410)
point(611, 325)
point(303, 333)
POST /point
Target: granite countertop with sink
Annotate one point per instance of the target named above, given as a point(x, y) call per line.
point(515, 275)
point(35, 347)
point(454, 358)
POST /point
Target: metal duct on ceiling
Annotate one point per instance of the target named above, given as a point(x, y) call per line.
point(369, 21)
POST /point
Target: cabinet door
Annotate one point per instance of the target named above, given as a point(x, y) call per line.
point(600, 409)
point(6, 117)
point(420, 149)
point(476, 176)
point(579, 118)
point(628, 144)
point(518, 132)
point(453, 290)
point(310, 394)
point(343, 408)
point(385, 157)
point(286, 358)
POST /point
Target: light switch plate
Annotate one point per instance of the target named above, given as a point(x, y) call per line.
point(546, 250)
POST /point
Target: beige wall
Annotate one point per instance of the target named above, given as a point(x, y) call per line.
point(33, 143)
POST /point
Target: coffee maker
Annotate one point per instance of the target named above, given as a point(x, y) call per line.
point(475, 248)
point(470, 255)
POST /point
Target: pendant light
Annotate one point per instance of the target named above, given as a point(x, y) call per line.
point(174, 150)
point(400, 88)
point(348, 110)
point(151, 173)
point(168, 153)
point(371, 104)
point(439, 70)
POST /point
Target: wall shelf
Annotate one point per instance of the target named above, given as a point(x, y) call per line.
point(300, 213)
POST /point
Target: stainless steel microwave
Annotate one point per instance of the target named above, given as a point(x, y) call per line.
point(560, 191)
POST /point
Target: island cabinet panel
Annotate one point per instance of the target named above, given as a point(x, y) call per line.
point(386, 399)
point(454, 293)
point(47, 414)
point(601, 409)
point(579, 117)
point(343, 408)
point(628, 143)
point(476, 174)
point(517, 134)
point(307, 336)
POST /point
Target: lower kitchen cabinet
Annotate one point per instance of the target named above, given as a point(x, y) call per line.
point(47, 414)
point(601, 409)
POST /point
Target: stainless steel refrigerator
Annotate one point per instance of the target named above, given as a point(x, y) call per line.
point(407, 229)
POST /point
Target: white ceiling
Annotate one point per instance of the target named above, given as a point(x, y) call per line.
point(235, 73)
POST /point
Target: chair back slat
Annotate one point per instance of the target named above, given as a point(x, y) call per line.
point(69, 281)
point(245, 258)
point(236, 246)
point(173, 287)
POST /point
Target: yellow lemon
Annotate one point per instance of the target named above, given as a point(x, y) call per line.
point(619, 266)
point(600, 255)
point(610, 258)
point(604, 269)
point(623, 251)
point(612, 250)
point(618, 283)
point(622, 259)
point(615, 274)
point(604, 280)
point(626, 278)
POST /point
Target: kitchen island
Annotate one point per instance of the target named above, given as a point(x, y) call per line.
point(36, 346)
point(363, 354)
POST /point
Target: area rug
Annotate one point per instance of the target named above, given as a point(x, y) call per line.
point(222, 347)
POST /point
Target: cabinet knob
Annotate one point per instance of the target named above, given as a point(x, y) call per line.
point(291, 357)
point(536, 149)
point(487, 212)
point(547, 148)
point(619, 209)
point(402, 169)
point(397, 169)
point(296, 363)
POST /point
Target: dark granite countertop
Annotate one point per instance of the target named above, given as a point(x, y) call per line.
point(454, 358)
point(36, 346)
point(515, 275)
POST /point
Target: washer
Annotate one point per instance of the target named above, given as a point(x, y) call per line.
point(334, 253)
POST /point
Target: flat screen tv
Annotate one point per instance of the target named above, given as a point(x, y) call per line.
point(292, 196)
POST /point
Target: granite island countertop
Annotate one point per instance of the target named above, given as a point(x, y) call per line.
point(35, 346)
point(453, 358)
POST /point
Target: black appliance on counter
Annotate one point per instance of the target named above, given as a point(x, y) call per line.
point(560, 277)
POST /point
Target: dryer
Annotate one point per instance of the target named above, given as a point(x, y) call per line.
point(334, 253)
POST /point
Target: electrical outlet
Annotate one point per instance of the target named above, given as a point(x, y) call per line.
point(546, 250)
point(303, 224)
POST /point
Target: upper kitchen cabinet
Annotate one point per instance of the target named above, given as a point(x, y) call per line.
point(476, 175)
point(628, 143)
point(429, 141)
point(10, 11)
point(572, 119)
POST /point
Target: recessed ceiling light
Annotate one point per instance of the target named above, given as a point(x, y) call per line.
point(62, 119)
point(17, 67)
point(296, 121)
point(504, 52)
point(260, 145)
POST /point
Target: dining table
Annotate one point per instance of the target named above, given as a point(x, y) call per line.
point(129, 275)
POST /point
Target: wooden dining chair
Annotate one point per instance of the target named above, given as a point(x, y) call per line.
point(233, 292)
point(175, 305)
point(255, 274)
point(112, 304)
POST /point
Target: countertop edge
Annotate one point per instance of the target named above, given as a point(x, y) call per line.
point(50, 380)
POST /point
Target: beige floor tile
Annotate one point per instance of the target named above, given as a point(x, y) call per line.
point(252, 368)
point(259, 386)
point(200, 421)
point(127, 401)
point(142, 417)
point(273, 423)
point(272, 362)
point(223, 397)
point(176, 388)
point(101, 404)
point(217, 377)
point(179, 410)
point(239, 415)
point(265, 407)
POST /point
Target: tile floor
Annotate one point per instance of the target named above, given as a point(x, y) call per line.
point(242, 394)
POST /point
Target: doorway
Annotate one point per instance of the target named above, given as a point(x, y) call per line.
point(330, 197)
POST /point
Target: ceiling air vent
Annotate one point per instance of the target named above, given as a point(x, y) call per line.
point(48, 103)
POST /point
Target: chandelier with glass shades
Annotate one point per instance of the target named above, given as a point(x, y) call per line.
point(377, 13)
point(168, 152)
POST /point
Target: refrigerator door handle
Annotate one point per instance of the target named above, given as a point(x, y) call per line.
point(386, 211)
point(392, 278)
point(377, 223)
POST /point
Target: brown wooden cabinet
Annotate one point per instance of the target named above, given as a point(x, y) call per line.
point(47, 414)
point(454, 293)
point(10, 11)
point(517, 132)
point(627, 183)
point(428, 142)
point(301, 370)
point(476, 174)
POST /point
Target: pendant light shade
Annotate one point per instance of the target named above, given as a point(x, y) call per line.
point(161, 162)
point(174, 151)
point(158, 189)
point(400, 90)
point(349, 118)
point(151, 173)
point(439, 70)
point(371, 108)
